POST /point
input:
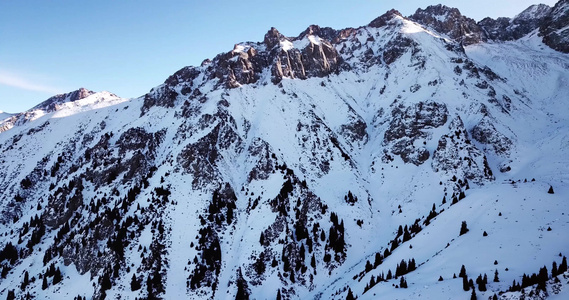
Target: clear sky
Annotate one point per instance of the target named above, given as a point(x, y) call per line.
point(127, 47)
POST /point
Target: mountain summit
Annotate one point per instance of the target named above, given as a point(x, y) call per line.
point(414, 157)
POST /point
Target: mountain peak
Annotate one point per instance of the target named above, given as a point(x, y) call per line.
point(51, 103)
point(273, 38)
point(326, 33)
point(385, 18)
point(537, 11)
point(449, 21)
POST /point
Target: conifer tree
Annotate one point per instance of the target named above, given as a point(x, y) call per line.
point(403, 283)
point(463, 228)
point(11, 295)
point(350, 295)
point(134, 283)
point(106, 282)
point(550, 191)
point(377, 261)
point(473, 295)
point(44, 284)
point(462, 271)
point(26, 280)
point(465, 285)
point(563, 266)
point(57, 276)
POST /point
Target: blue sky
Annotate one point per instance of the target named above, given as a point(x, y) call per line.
point(127, 47)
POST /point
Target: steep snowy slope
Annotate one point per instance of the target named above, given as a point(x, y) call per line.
point(372, 161)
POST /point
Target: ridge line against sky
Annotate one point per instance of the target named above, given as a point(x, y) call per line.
point(129, 47)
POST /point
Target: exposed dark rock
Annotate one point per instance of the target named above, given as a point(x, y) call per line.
point(396, 47)
point(506, 29)
point(457, 156)
point(385, 19)
point(51, 104)
point(555, 28)
point(260, 151)
point(164, 96)
point(449, 21)
point(326, 33)
point(486, 133)
point(272, 38)
point(409, 124)
point(184, 75)
point(199, 158)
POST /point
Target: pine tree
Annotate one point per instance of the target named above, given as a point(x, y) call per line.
point(350, 295)
point(463, 228)
point(26, 280)
point(403, 283)
point(11, 295)
point(550, 191)
point(279, 297)
point(496, 279)
point(440, 278)
point(105, 282)
point(262, 239)
point(465, 285)
point(377, 261)
point(462, 271)
point(44, 284)
point(563, 266)
point(473, 295)
point(482, 284)
point(134, 283)
point(57, 276)
point(242, 289)
point(313, 261)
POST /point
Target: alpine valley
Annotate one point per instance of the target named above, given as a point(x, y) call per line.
point(424, 157)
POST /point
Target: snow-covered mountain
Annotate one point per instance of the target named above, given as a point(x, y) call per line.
point(79, 100)
point(397, 160)
point(4, 115)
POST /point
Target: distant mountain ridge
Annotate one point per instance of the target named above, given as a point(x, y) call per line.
point(54, 104)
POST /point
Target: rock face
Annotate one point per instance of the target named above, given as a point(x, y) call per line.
point(451, 22)
point(555, 28)
point(409, 128)
point(51, 104)
point(456, 154)
point(506, 29)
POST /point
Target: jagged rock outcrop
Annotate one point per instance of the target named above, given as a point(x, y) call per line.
point(486, 133)
point(385, 19)
point(555, 28)
point(315, 57)
point(449, 21)
point(457, 156)
point(506, 29)
point(409, 125)
point(51, 104)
